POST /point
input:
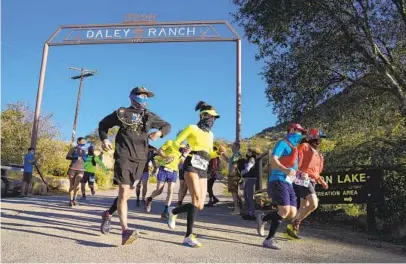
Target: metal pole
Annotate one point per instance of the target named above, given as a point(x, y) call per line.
point(34, 133)
point(238, 93)
point(77, 106)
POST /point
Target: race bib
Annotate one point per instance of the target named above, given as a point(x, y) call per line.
point(290, 179)
point(199, 163)
point(302, 182)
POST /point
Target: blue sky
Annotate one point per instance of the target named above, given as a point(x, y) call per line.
point(179, 74)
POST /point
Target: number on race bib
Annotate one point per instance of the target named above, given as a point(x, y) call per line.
point(199, 163)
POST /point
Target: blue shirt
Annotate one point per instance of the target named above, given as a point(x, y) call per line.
point(27, 165)
point(281, 148)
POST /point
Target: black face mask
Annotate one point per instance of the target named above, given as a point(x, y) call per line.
point(315, 143)
point(206, 124)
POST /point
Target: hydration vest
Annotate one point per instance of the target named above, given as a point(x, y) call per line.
point(133, 119)
point(290, 160)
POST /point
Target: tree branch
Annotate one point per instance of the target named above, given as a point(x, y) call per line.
point(401, 6)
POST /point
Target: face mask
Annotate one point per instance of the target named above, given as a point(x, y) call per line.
point(315, 143)
point(206, 124)
point(294, 138)
point(139, 101)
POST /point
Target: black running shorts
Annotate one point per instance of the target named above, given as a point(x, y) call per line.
point(188, 167)
point(127, 172)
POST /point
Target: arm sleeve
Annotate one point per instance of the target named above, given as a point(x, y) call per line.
point(250, 164)
point(70, 156)
point(158, 123)
point(279, 149)
point(182, 137)
point(108, 122)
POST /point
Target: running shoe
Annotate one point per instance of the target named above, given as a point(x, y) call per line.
point(191, 241)
point(164, 216)
point(83, 197)
point(171, 218)
point(215, 200)
point(129, 236)
point(249, 217)
point(106, 221)
point(143, 202)
point(292, 231)
point(75, 203)
point(271, 243)
point(209, 204)
point(70, 203)
point(93, 192)
point(137, 203)
point(260, 225)
point(148, 205)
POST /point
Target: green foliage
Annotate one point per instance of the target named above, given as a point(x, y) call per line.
point(16, 122)
point(315, 49)
point(104, 179)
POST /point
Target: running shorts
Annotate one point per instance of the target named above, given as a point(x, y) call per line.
point(127, 172)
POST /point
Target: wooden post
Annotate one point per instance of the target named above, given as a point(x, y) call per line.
point(371, 220)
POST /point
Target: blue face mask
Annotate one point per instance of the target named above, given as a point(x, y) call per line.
point(294, 138)
point(139, 101)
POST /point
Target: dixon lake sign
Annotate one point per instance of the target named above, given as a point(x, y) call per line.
point(351, 187)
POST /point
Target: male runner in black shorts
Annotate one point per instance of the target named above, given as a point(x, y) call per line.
point(130, 152)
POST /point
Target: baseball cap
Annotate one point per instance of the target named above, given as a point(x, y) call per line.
point(141, 90)
point(316, 133)
point(297, 127)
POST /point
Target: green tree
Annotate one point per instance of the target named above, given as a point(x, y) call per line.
point(315, 49)
point(16, 121)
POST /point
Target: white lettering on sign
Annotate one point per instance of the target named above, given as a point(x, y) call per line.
point(126, 32)
point(151, 31)
point(131, 33)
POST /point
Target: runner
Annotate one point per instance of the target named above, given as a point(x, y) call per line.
point(168, 160)
point(284, 163)
point(310, 165)
point(143, 182)
point(90, 170)
point(76, 169)
point(234, 176)
point(197, 156)
point(29, 161)
point(250, 175)
point(213, 174)
point(130, 153)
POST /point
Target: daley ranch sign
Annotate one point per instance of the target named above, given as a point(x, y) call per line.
point(144, 32)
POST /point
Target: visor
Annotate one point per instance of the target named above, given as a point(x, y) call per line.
point(211, 112)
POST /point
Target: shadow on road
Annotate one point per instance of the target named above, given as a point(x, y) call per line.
point(79, 241)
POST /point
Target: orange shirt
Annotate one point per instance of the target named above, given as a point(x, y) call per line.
point(310, 161)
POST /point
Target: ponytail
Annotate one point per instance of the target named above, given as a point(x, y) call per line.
point(201, 105)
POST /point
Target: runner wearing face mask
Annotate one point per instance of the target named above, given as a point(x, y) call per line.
point(78, 157)
point(197, 156)
point(131, 152)
point(284, 163)
point(310, 166)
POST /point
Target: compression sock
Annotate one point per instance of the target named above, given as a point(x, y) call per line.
point(190, 220)
point(276, 220)
point(113, 207)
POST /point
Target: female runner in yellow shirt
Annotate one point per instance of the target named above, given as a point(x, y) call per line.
point(197, 156)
